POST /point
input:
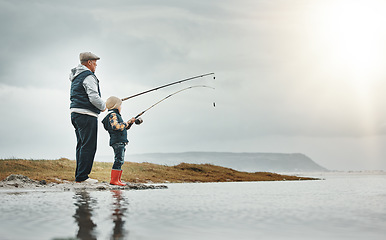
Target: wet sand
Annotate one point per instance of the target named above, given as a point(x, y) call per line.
point(21, 183)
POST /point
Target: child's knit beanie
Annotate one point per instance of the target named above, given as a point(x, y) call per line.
point(113, 102)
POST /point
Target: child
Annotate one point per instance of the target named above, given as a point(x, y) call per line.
point(117, 129)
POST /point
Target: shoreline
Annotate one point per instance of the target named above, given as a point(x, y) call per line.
point(61, 171)
point(21, 183)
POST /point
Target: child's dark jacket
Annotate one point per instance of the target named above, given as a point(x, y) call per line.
point(116, 127)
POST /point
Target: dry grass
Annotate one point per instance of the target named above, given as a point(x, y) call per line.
point(63, 169)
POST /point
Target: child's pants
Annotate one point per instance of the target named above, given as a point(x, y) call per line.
point(119, 152)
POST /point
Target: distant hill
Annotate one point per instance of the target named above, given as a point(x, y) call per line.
point(249, 162)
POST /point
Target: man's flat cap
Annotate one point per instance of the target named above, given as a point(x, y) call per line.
point(85, 56)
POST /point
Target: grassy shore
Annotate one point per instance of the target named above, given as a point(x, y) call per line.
point(63, 169)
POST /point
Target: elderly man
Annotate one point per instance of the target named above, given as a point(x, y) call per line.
point(86, 104)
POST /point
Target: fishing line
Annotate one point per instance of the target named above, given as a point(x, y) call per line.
point(214, 101)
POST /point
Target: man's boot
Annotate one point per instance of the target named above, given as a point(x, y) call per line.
point(115, 176)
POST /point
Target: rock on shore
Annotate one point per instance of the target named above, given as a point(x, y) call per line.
point(15, 181)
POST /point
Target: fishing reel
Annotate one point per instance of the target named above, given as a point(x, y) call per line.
point(138, 121)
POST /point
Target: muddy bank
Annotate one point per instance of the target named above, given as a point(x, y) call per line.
point(16, 181)
point(57, 171)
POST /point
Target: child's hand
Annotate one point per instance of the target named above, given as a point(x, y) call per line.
point(131, 121)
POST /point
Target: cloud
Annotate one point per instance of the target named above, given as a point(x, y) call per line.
point(275, 77)
point(36, 37)
point(32, 125)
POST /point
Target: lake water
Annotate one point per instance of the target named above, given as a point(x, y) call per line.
point(345, 206)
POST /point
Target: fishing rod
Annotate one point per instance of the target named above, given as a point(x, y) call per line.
point(139, 120)
point(167, 85)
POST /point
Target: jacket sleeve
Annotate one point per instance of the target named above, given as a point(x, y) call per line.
point(91, 86)
point(115, 124)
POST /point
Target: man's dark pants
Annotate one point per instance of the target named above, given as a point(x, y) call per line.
point(86, 129)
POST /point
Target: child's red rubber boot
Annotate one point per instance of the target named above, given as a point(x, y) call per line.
point(115, 175)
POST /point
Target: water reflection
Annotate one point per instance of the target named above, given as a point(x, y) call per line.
point(119, 212)
point(83, 215)
point(85, 206)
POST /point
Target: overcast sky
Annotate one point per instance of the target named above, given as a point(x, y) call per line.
point(292, 76)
